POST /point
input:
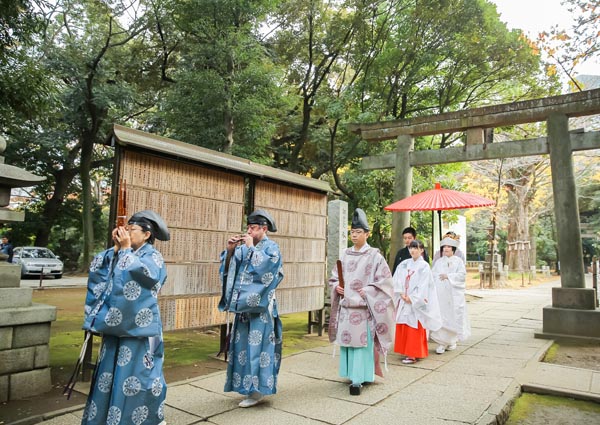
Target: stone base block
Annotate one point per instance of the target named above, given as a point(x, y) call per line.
point(30, 383)
point(15, 297)
point(10, 275)
point(574, 298)
point(571, 322)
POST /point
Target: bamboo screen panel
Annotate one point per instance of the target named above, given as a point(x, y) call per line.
point(203, 208)
point(301, 219)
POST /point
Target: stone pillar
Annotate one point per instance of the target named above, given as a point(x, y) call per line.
point(566, 211)
point(402, 189)
point(24, 339)
point(337, 232)
point(573, 312)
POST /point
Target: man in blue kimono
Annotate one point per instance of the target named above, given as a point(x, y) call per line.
point(251, 269)
point(128, 386)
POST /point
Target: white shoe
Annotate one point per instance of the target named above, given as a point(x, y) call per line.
point(441, 349)
point(251, 400)
point(451, 347)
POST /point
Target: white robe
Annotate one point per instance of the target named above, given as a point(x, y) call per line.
point(451, 296)
point(424, 303)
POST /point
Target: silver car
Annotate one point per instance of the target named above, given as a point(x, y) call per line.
point(35, 260)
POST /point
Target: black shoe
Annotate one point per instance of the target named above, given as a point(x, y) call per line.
point(355, 389)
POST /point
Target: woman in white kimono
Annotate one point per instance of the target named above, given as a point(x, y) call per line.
point(449, 276)
point(418, 309)
point(128, 386)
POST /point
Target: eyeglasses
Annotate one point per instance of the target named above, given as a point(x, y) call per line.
point(131, 229)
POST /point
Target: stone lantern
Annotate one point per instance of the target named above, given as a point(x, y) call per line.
point(24, 326)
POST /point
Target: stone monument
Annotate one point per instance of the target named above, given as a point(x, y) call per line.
point(24, 325)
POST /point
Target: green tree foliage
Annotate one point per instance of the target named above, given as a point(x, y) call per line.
point(274, 81)
point(226, 91)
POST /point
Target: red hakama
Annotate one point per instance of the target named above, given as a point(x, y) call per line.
point(410, 341)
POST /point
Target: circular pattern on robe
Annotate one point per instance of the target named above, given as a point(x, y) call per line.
point(351, 266)
point(132, 290)
point(114, 416)
point(270, 382)
point(246, 278)
point(368, 269)
point(346, 337)
point(236, 380)
point(96, 263)
point(265, 359)
point(255, 381)
point(275, 257)
point(356, 318)
point(146, 270)
point(91, 410)
point(131, 386)
point(242, 357)
point(247, 382)
point(271, 295)
point(276, 358)
point(157, 387)
point(230, 357)
point(253, 299)
point(264, 317)
point(139, 415)
point(272, 339)
point(267, 278)
point(381, 328)
point(257, 259)
point(380, 306)
point(99, 289)
point(105, 382)
point(114, 317)
point(155, 289)
point(237, 337)
point(255, 337)
point(87, 309)
point(363, 338)
point(356, 284)
point(161, 410)
point(144, 317)
point(125, 262)
point(158, 258)
point(124, 355)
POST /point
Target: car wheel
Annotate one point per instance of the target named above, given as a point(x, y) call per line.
point(57, 276)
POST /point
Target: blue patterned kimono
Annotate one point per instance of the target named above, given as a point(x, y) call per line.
point(128, 386)
point(249, 284)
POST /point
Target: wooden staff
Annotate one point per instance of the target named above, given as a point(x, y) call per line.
point(340, 273)
point(122, 204)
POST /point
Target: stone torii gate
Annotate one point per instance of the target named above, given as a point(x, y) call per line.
point(573, 311)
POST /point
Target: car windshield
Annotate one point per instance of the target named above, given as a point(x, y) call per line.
point(37, 253)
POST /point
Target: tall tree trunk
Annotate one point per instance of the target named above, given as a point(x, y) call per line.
point(62, 181)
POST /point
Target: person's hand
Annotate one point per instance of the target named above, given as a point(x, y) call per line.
point(443, 276)
point(406, 299)
point(248, 240)
point(117, 245)
point(339, 290)
point(122, 238)
point(361, 292)
point(233, 241)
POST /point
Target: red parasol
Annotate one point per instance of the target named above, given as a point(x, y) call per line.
point(439, 199)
